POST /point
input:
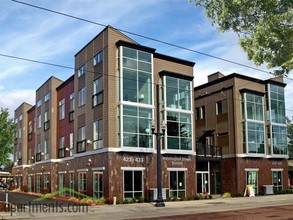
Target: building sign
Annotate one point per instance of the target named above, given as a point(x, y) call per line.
point(131, 159)
point(176, 160)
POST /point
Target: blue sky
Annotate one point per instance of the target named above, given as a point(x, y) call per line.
point(40, 35)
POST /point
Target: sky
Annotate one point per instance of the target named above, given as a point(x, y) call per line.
point(36, 34)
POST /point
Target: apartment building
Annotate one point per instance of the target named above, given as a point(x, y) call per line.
point(95, 133)
point(242, 119)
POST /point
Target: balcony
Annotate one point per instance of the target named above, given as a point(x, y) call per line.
point(209, 152)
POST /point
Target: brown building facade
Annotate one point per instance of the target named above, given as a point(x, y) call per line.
point(244, 119)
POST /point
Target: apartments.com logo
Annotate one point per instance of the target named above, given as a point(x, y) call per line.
point(40, 205)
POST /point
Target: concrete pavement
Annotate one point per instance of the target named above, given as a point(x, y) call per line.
point(145, 210)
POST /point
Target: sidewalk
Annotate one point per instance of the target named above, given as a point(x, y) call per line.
point(143, 210)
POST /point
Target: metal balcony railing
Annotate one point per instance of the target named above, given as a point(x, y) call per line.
point(209, 151)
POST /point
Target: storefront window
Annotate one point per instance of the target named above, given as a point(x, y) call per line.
point(177, 184)
point(61, 184)
point(82, 182)
point(98, 185)
point(133, 185)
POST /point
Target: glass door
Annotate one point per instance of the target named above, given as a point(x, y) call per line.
point(202, 181)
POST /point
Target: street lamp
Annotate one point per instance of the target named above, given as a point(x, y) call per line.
point(160, 201)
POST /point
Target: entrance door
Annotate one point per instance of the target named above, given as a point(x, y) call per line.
point(202, 179)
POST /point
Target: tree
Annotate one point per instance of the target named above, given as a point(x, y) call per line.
point(290, 137)
point(7, 129)
point(264, 27)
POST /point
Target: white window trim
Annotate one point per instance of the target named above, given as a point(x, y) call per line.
point(276, 169)
point(251, 169)
point(176, 169)
point(98, 169)
point(133, 168)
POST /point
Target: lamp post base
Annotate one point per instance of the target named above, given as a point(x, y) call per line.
point(160, 204)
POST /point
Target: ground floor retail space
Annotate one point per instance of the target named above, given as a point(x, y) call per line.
point(134, 175)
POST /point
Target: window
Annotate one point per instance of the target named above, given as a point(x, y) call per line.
point(252, 179)
point(61, 184)
point(71, 144)
point(16, 120)
point(279, 140)
point(98, 58)
point(82, 70)
point(277, 180)
point(61, 150)
point(276, 106)
point(20, 117)
point(200, 112)
point(97, 133)
point(46, 182)
point(46, 150)
point(30, 130)
point(136, 80)
point(133, 184)
point(253, 137)
point(38, 184)
point(177, 184)
point(177, 92)
point(136, 127)
point(39, 103)
point(81, 97)
point(97, 91)
point(71, 184)
point(39, 121)
point(81, 140)
point(47, 97)
point(221, 107)
point(253, 107)
point(71, 113)
point(46, 121)
point(98, 185)
point(82, 182)
point(179, 135)
point(19, 132)
point(62, 109)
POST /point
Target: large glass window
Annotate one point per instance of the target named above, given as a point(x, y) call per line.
point(254, 141)
point(98, 185)
point(137, 76)
point(136, 127)
point(97, 91)
point(252, 179)
point(178, 93)
point(277, 104)
point(277, 180)
point(254, 106)
point(61, 150)
point(179, 131)
point(61, 184)
point(71, 184)
point(177, 184)
point(279, 139)
point(133, 184)
point(82, 182)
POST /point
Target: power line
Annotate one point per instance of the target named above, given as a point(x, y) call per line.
point(145, 37)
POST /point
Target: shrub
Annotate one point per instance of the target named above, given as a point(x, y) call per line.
point(226, 195)
point(109, 200)
point(140, 199)
point(86, 200)
point(129, 200)
point(101, 200)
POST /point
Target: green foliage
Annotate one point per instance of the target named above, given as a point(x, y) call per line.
point(7, 130)
point(264, 27)
point(86, 200)
point(226, 195)
point(290, 137)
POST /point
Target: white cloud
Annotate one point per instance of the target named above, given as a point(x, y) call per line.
point(13, 99)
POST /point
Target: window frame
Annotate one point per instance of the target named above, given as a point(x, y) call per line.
point(82, 70)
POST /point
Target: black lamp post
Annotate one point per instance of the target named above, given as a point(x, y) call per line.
point(160, 201)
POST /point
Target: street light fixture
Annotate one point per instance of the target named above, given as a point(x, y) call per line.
point(160, 201)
